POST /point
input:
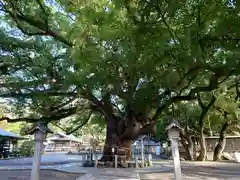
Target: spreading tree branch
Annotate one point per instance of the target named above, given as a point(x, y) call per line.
point(171, 32)
point(149, 128)
point(37, 93)
point(190, 72)
point(58, 126)
point(42, 26)
point(55, 108)
point(104, 105)
point(22, 84)
point(191, 95)
point(200, 101)
point(81, 125)
point(55, 117)
point(205, 111)
point(237, 92)
point(174, 99)
point(41, 6)
point(12, 120)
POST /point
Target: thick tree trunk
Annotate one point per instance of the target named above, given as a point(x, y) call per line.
point(188, 146)
point(111, 140)
point(122, 148)
point(221, 143)
point(194, 148)
point(203, 150)
point(119, 138)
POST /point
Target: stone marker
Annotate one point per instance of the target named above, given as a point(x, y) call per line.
point(142, 151)
point(237, 157)
point(40, 130)
point(149, 159)
point(116, 161)
point(136, 162)
point(173, 133)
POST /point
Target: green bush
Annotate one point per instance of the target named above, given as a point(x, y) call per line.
point(27, 148)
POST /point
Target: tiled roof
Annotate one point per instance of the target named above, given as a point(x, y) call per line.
point(63, 137)
point(9, 134)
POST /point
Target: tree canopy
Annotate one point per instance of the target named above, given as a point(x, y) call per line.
point(124, 60)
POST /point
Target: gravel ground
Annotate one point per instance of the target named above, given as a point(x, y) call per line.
point(170, 176)
point(44, 175)
point(195, 173)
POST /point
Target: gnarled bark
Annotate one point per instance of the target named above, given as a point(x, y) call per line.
point(188, 145)
point(120, 136)
point(221, 143)
point(195, 142)
point(203, 149)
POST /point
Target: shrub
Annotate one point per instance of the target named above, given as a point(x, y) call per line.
point(27, 148)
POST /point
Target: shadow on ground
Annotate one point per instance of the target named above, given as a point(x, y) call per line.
point(44, 175)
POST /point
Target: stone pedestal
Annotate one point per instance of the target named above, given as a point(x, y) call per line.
point(39, 137)
point(173, 133)
point(176, 159)
point(142, 152)
point(237, 157)
point(39, 130)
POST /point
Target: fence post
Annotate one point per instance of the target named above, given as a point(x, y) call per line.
point(84, 158)
point(116, 161)
point(136, 162)
point(96, 162)
point(149, 159)
point(142, 151)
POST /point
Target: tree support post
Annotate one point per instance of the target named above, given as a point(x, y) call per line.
point(136, 162)
point(149, 159)
point(116, 161)
point(142, 152)
point(96, 160)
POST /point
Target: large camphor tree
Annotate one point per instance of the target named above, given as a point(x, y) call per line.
point(124, 60)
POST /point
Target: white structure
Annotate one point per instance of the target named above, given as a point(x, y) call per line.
point(38, 137)
point(62, 142)
point(157, 150)
point(149, 144)
point(142, 151)
point(173, 133)
point(40, 131)
point(237, 157)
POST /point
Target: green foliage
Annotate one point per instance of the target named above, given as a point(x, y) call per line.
point(93, 128)
point(161, 133)
point(27, 148)
point(77, 60)
point(15, 127)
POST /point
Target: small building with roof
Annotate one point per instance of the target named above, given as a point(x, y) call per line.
point(62, 142)
point(9, 143)
point(150, 145)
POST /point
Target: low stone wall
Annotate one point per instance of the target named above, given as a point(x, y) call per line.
point(232, 145)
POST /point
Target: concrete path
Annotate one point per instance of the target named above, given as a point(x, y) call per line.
point(111, 174)
point(47, 159)
point(162, 170)
point(70, 167)
point(90, 173)
point(193, 170)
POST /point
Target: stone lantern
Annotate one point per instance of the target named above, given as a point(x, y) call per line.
point(173, 134)
point(39, 130)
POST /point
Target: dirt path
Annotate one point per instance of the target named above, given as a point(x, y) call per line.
point(44, 175)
